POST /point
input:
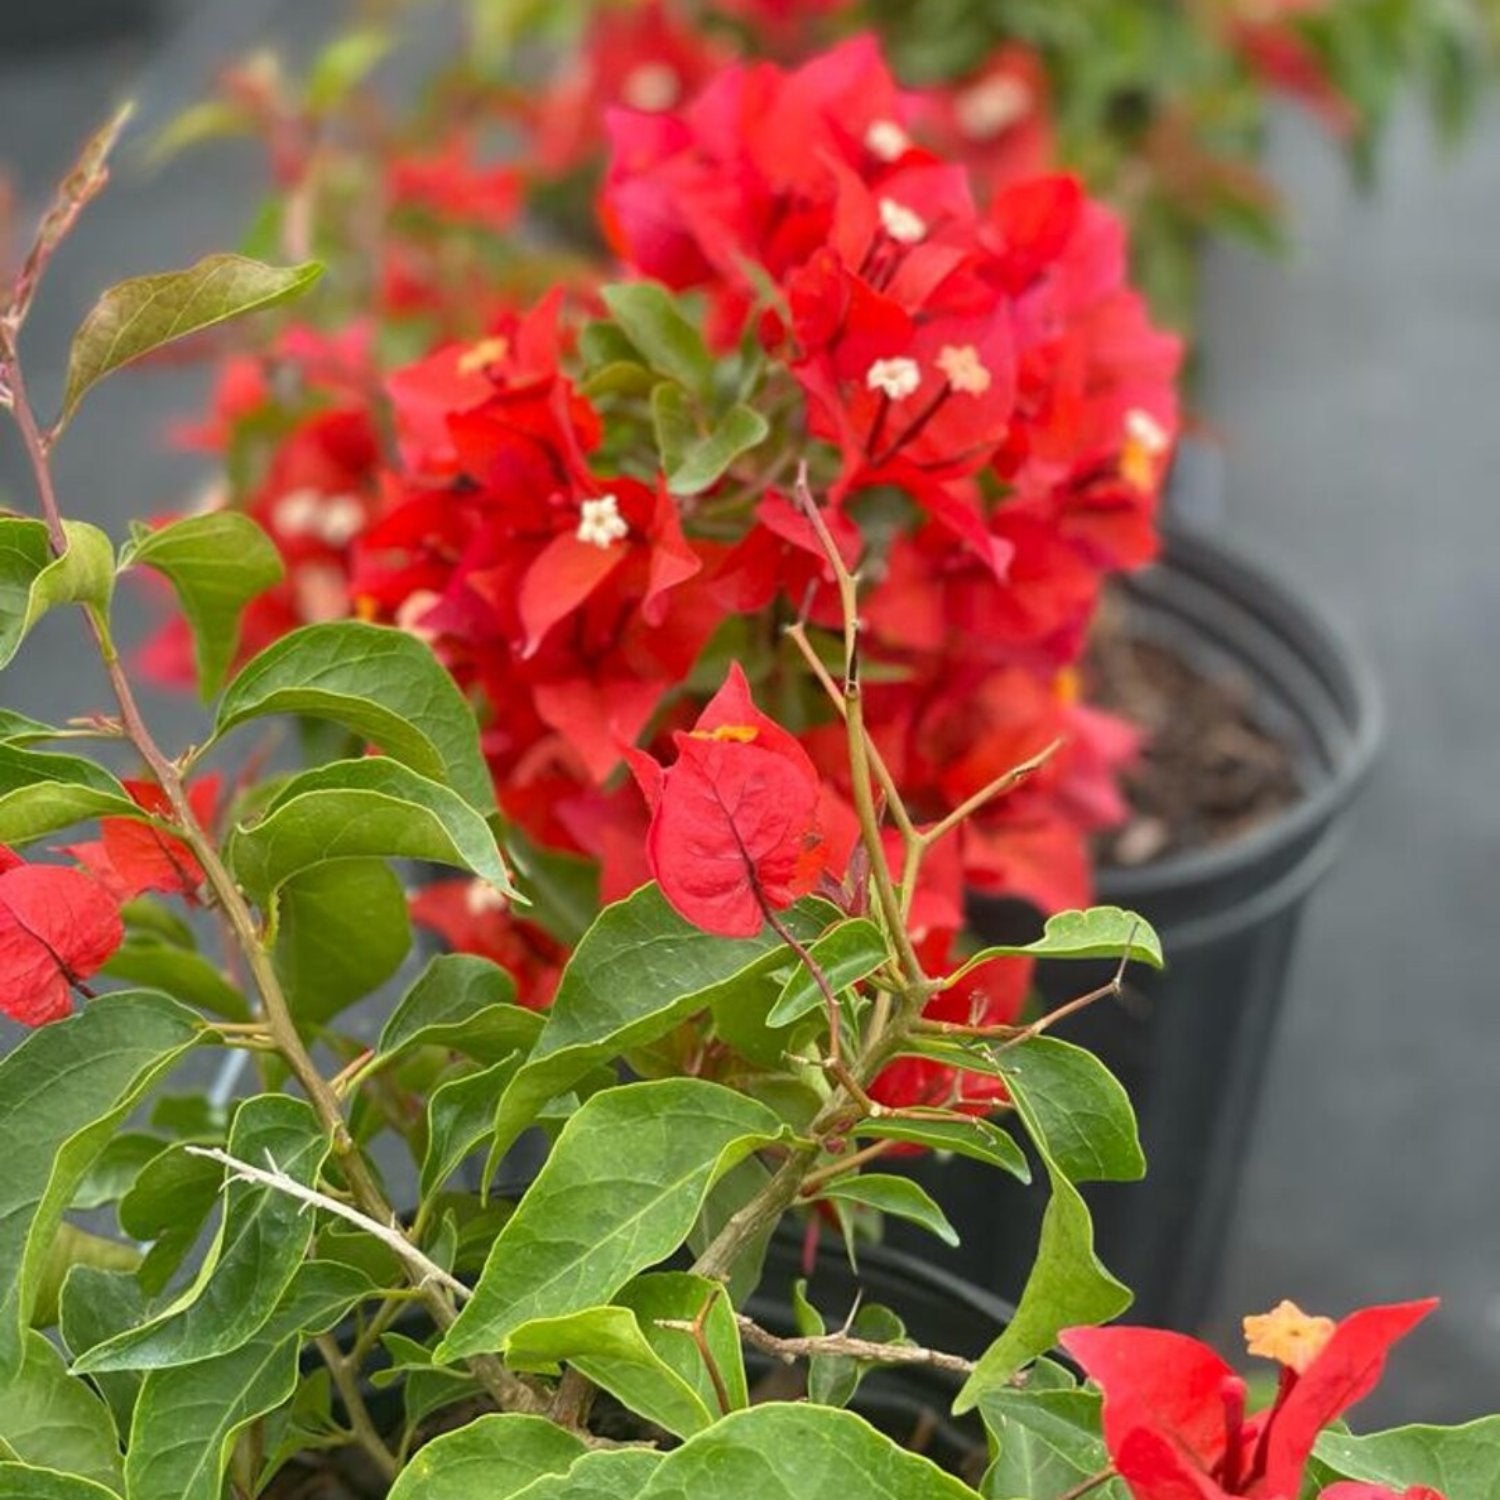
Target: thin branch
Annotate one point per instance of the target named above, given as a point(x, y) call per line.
point(789, 1350)
point(1091, 1483)
point(997, 788)
point(364, 1429)
point(842, 1165)
point(426, 1270)
point(814, 968)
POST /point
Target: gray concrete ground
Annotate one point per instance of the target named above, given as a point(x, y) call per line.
point(1356, 389)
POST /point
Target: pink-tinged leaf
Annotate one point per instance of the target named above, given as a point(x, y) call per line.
point(57, 926)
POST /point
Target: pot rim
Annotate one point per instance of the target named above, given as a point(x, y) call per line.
point(1326, 648)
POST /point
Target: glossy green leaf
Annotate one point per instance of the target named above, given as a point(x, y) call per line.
point(1076, 1107)
point(1462, 1463)
point(32, 580)
point(706, 460)
point(113, 1172)
point(1081, 1123)
point(42, 792)
point(379, 683)
point(963, 1135)
point(342, 930)
point(493, 1458)
point(262, 1240)
point(19, 729)
point(608, 1345)
point(50, 1417)
point(670, 341)
point(1049, 1444)
point(460, 1118)
point(179, 972)
point(33, 1482)
point(63, 1094)
point(679, 1296)
point(847, 953)
point(217, 563)
point(463, 1002)
point(134, 317)
point(898, 1196)
point(1099, 932)
point(606, 1474)
point(166, 1208)
point(833, 1379)
point(563, 888)
point(95, 1306)
point(619, 1192)
point(361, 809)
point(794, 1451)
point(187, 1417)
point(638, 972)
point(72, 1247)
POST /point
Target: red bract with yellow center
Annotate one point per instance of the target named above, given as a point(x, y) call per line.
point(735, 826)
point(1174, 1411)
point(57, 926)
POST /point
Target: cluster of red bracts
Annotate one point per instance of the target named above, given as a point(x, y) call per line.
point(968, 359)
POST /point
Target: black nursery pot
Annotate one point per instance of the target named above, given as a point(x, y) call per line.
point(1190, 1043)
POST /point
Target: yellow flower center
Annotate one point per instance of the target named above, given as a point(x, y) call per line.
point(1288, 1335)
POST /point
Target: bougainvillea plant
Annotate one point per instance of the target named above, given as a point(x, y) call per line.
point(710, 628)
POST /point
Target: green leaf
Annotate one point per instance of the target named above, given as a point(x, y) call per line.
point(344, 64)
point(564, 888)
point(702, 462)
point(794, 1451)
point(964, 1135)
point(179, 972)
point(899, 1196)
point(1099, 932)
point(1462, 1463)
point(217, 563)
point(460, 1117)
point(342, 930)
point(848, 953)
point(134, 317)
point(41, 792)
point(607, 1474)
point(188, 1416)
point(166, 1207)
point(17, 729)
point(63, 1094)
point(638, 972)
point(379, 683)
point(72, 1247)
point(27, 1482)
point(32, 580)
point(608, 1345)
point(492, 1458)
point(679, 1296)
point(620, 1191)
point(1075, 1108)
point(667, 338)
point(463, 1002)
point(361, 809)
point(262, 1240)
point(1081, 1123)
point(49, 1417)
point(832, 1380)
point(116, 1168)
point(95, 1306)
point(1049, 1442)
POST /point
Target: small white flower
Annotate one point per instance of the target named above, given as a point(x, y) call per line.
point(898, 378)
point(296, 513)
point(898, 221)
point(482, 898)
point(653, 87)
point(1146, 432)
point(965, 370)
point(341, 518)
point(600, 522)
point(887, 141)
point(992, 107)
